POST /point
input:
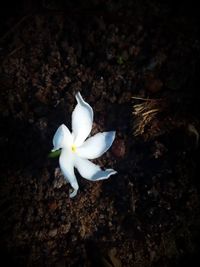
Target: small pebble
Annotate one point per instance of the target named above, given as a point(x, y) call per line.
point(118, 148)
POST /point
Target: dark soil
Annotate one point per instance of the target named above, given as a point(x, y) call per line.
point(148, 215)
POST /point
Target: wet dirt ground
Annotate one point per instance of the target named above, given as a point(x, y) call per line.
point(137, 64)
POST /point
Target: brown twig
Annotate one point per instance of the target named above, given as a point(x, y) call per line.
point(15, 51)
point(141, 98)
point(13, 28)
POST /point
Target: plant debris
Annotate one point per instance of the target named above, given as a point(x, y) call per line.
point(148, 215)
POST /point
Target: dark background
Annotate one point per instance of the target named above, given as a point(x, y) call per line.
point(110, 51)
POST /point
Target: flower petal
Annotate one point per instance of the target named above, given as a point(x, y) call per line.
point(82, 118)
point(62, 138)
point(91, 171)
point(96, 145)
point(67, 161)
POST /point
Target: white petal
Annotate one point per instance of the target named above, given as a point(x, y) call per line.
point(82, 118)
point(67, 161)
point(62, 138)
point(91, 171)
point(96, 145)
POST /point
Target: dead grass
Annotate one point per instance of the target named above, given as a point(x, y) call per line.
point(146, 116)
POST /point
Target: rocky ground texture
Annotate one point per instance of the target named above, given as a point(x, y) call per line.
point(137, 65)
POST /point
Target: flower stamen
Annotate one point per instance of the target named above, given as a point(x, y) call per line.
point(73, 148)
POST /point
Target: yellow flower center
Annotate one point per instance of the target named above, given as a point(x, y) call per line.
point(73, 148)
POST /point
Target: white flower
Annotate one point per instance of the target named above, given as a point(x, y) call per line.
point(75, 151)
